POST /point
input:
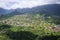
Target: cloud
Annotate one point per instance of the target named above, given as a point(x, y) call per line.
point(7, 3)
point(13, 4)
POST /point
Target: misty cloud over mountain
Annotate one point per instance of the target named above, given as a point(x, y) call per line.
point(51, 9)
point(13, 4)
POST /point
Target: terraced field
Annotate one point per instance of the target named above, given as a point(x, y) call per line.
point(29, 27)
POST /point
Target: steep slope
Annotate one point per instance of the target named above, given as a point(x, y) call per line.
point(5, 11)
point(2, 11)
point(51, 9)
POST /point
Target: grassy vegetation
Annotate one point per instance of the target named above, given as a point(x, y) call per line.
point(29, 27)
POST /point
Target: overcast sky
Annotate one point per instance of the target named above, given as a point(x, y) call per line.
point(13, 4)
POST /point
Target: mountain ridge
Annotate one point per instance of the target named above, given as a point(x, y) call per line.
point(51, 9)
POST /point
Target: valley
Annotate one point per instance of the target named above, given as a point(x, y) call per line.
point(37, 23)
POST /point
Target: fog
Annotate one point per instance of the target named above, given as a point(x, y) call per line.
point(13, 4)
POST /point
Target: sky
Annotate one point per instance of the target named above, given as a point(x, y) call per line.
point(13, 4)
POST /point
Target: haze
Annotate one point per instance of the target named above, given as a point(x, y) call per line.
point(13, 4)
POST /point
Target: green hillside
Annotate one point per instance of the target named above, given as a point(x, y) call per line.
point(29, 27)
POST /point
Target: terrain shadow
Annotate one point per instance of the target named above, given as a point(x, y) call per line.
point(3, 27)
point(51, 37)
point(26, 35)
point(22, 35)
point(10, 15)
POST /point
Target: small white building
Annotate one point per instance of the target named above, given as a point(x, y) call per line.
point(57, 28)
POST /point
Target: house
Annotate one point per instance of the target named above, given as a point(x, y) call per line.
point(57, 28)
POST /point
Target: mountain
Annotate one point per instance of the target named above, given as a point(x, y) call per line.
point(50, 9)
point(5, 11)
point(2, 11)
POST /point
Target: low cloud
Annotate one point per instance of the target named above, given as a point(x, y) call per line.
point(13, 4)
